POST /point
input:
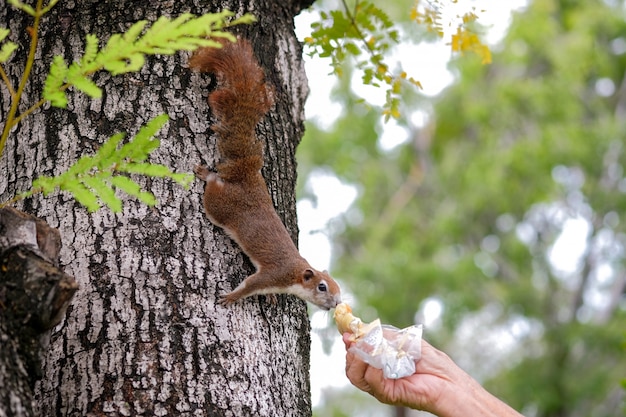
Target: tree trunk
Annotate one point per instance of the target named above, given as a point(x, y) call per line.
point(34, 294)
point(144, 334)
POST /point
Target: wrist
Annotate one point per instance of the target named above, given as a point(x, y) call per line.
point(464, 396)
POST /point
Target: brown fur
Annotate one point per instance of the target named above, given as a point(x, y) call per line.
point(236, 197)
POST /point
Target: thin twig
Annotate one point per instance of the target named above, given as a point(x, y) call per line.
point(352, 17)
point(27, 69)
point(32, 108)
point(7, 82)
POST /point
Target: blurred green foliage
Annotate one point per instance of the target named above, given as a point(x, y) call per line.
point(468, 210)
point(360, 33)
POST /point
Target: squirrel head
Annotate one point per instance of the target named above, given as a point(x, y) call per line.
point(316, 287)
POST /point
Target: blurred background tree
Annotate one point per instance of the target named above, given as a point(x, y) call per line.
point(500, 222)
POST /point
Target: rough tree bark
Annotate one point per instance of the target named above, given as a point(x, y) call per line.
point(34, 294)
point(144, 335)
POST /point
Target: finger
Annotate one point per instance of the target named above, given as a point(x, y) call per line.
point(346, 340)
point(355, 371)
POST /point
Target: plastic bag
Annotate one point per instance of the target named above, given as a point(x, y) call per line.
point(393, 350)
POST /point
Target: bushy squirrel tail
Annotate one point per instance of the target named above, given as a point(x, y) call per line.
point(240, 101)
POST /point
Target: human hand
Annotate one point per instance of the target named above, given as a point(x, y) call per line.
point(418, 391)
point(438, 386)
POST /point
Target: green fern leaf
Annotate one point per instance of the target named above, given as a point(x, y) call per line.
point(245, 19)
point(105, 192)
point(151, 170)
point(151, 128)
point(144, 142)
point(7, 50)
point(107, 155)
point(46, 185)
point(77, 79)
point(134, 31)
point(48, 7)
point(81, 194)
point(217, 20)
point(175, 25)
point(53, 87)
point(130, 187)
point(126, 184)
point(134, 63)
point(83, 165)
point(133, 151)
point(115, 67)
point(92, 180)
point(22, 6)
point(147, 198)
point(182, 179)
point(91, 50)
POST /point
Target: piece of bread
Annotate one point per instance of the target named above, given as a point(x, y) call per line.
point(348, 323)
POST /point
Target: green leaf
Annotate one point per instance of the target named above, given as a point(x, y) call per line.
point(151, 170)
point(126, 52)
point(7, 50)
point(245, 19)
point(130, 187)
point(45, 184)
point(82, 194)
point(107, 155)
point(49, 6)
point(339, 34)
point(379, 14)
point(81, 166)
point(52, 90)
point(22, 6)
point(183, 179)
point(126, 184)
point(148, 198)
point(135, 30)
point(91, 50)
point(352, 48)
point(92, 179)
point(105, 192)
point(144, 142)
point(83, 83)
point(115, 67)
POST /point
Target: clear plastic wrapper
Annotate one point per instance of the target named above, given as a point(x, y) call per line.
point(393, 350)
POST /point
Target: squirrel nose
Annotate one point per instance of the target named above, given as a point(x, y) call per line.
point(337, 300)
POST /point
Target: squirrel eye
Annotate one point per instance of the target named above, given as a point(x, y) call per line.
point(322, 287)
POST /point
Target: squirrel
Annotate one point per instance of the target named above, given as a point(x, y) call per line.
point(236, 197)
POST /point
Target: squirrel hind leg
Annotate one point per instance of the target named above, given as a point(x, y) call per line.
point(212, 179)
point(202, 172)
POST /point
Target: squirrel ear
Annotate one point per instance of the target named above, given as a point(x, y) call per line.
point(308, 274)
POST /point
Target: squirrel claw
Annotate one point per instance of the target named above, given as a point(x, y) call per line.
point(201, 171)
point(226, 300)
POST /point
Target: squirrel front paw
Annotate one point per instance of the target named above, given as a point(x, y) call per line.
point(202, 172)
point(227, 299)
